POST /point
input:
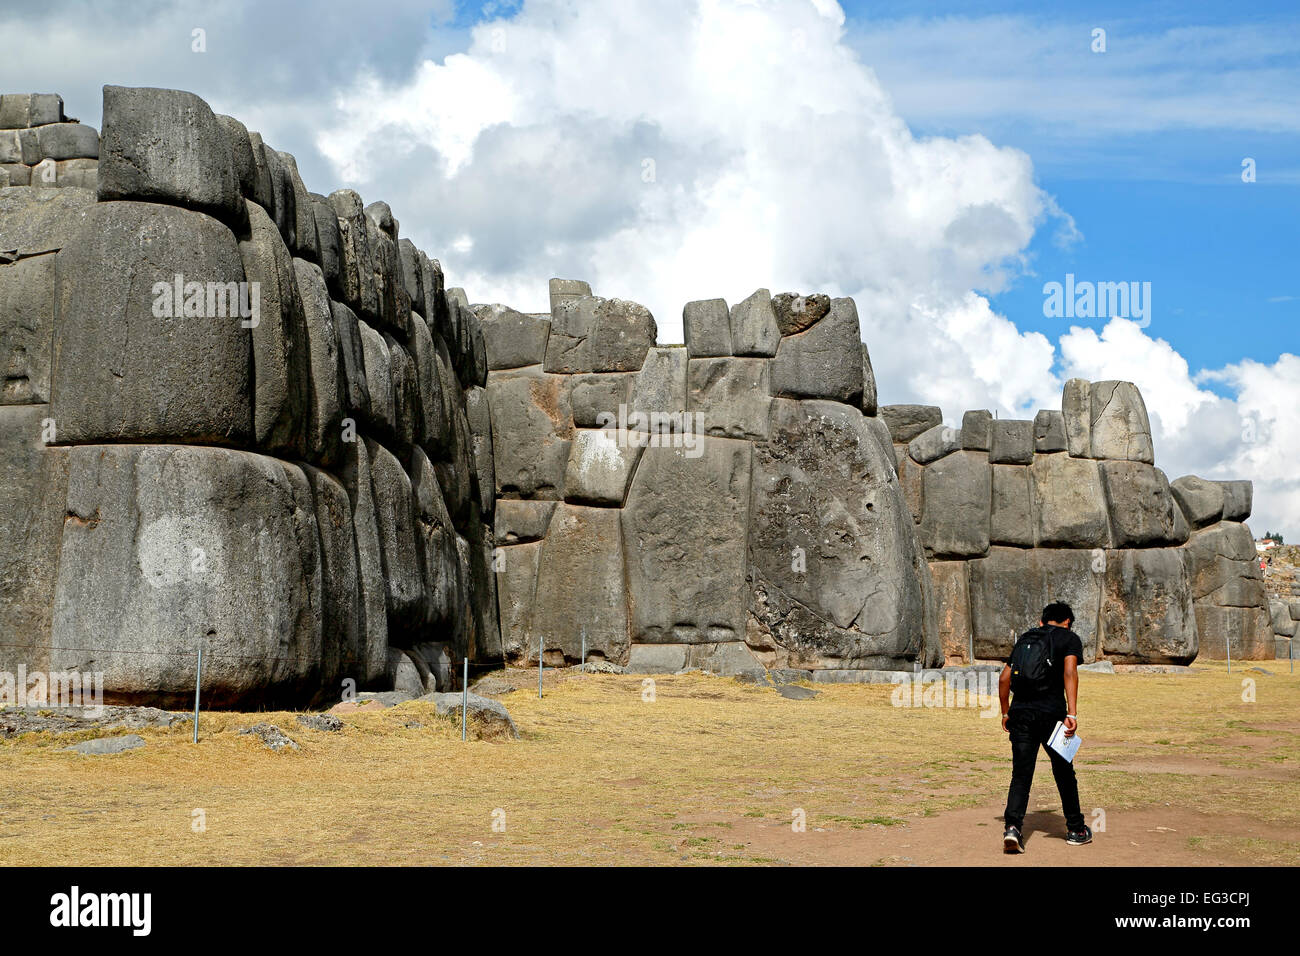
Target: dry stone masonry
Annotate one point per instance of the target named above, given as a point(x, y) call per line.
point(252, 419)
point(236, 415)
point(1070, 506)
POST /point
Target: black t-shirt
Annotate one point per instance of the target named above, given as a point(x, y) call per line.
point(1064, 643)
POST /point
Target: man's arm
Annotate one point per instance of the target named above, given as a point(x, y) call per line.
point(1071, 694)
point(1004, 693)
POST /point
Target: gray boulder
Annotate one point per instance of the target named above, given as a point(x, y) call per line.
point(1119, 427)
point(281, 361)
point(907, 421)
point(822, 362)
point(1238, 498)
point(512, 338)
point(730, 397)
point(166, 547)
point(976, 430)
point(1280, 614)
point(68, 141)
point(1049, 432)
point(684, 533)
point(1011, 442)
point(1201, 501)
point(108, 745)
point(839, 579)
point(1070, 502)
point(869, 404)
point(1146, 609)
point(581, 590)
point(1142, 510)
point(706, 325)
point(934, 443)
point(795, 313)
point(958, 492)
point(531, 434)
point(126, 374)
point(564, 290)
point(250, 167)
point(488, 717)
point(166, 146)
point(754, 331)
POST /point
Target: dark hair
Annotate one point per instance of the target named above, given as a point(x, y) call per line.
point(1058, 611)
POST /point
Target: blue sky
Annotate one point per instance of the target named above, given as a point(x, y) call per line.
point(1164, 204)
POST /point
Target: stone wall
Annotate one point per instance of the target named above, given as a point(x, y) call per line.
point(727, 504)
point(1070, 506)
point(236, 415)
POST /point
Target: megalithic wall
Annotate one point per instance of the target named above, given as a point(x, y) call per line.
point(727, 504)
point(1070, 506)
point(237, 415)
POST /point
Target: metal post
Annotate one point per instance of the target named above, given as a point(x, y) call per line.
point(198, 680)
point(539, 668)
point(464, 698)
point(1227, 642)
point(584, 648)
point(1290, 653)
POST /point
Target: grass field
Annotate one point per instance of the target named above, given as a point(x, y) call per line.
point(712, 771)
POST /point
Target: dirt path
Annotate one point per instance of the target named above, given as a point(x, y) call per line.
point(973, 838)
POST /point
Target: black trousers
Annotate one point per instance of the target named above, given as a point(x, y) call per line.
point(1029, 730)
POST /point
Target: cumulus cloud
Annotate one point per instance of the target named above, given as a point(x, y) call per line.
point(670, 150)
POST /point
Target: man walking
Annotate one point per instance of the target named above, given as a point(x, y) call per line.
point(1038, 687)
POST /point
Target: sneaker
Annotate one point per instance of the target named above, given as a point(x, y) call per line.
point(1011, 841)
point(1079, 837)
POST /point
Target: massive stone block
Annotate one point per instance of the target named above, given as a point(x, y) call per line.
point(352, 357)
point(754, 331)
point(706, 326)
point(373, 611)
point(513, 339)
point(408, 417)
point(121, 372)
point(67, 141)
point(933, 444)
point(281, 363)
point(434, 428)
point(1076, 410)
point(907, 421)
point(531, 434)
point(33, 491)
point(394, 514)
point(478, 415)
point(27, 329)
point(1012, 518)
point(581, 593)
point(166, 146)
point(378, 366)
point(1142, 510)
point(435, 537)
point(331, 244)
point(869, 405)
point(327, 389)
point(838, 576)
point(1238, 497)
point(1070, 501)
point(518, 522)
point(795, 313)
point(958, 494)
point(565, 290)
point(1010, 588)
point(516, 592)
point(1223, 566)
point(1200, 500)
point(730, 397)
point(596, 399)
point(1119, 427)
point(592, 334)
point(36, 221)
point(250, 169)
point(21, 110)
point(684, 531)
point(342, 623)
point(952, 595)
point(357, 269)
point(822, 362)
point(601, 463)
point(1049, 432)
point(1245, 632)
point(1011, 442)
point(660, 387)
point(169, 548)
point(1146, 608)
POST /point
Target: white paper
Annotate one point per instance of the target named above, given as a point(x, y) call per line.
point(1067, 747)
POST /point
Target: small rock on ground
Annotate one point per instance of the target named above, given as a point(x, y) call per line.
point(108, 745)
point(271, 735)
point(490, 717)
point(326, 722)
point(795, 692)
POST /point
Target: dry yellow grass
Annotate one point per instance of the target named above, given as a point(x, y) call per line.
point(711, 771)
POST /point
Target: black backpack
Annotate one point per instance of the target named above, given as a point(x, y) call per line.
point(1031, 664)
